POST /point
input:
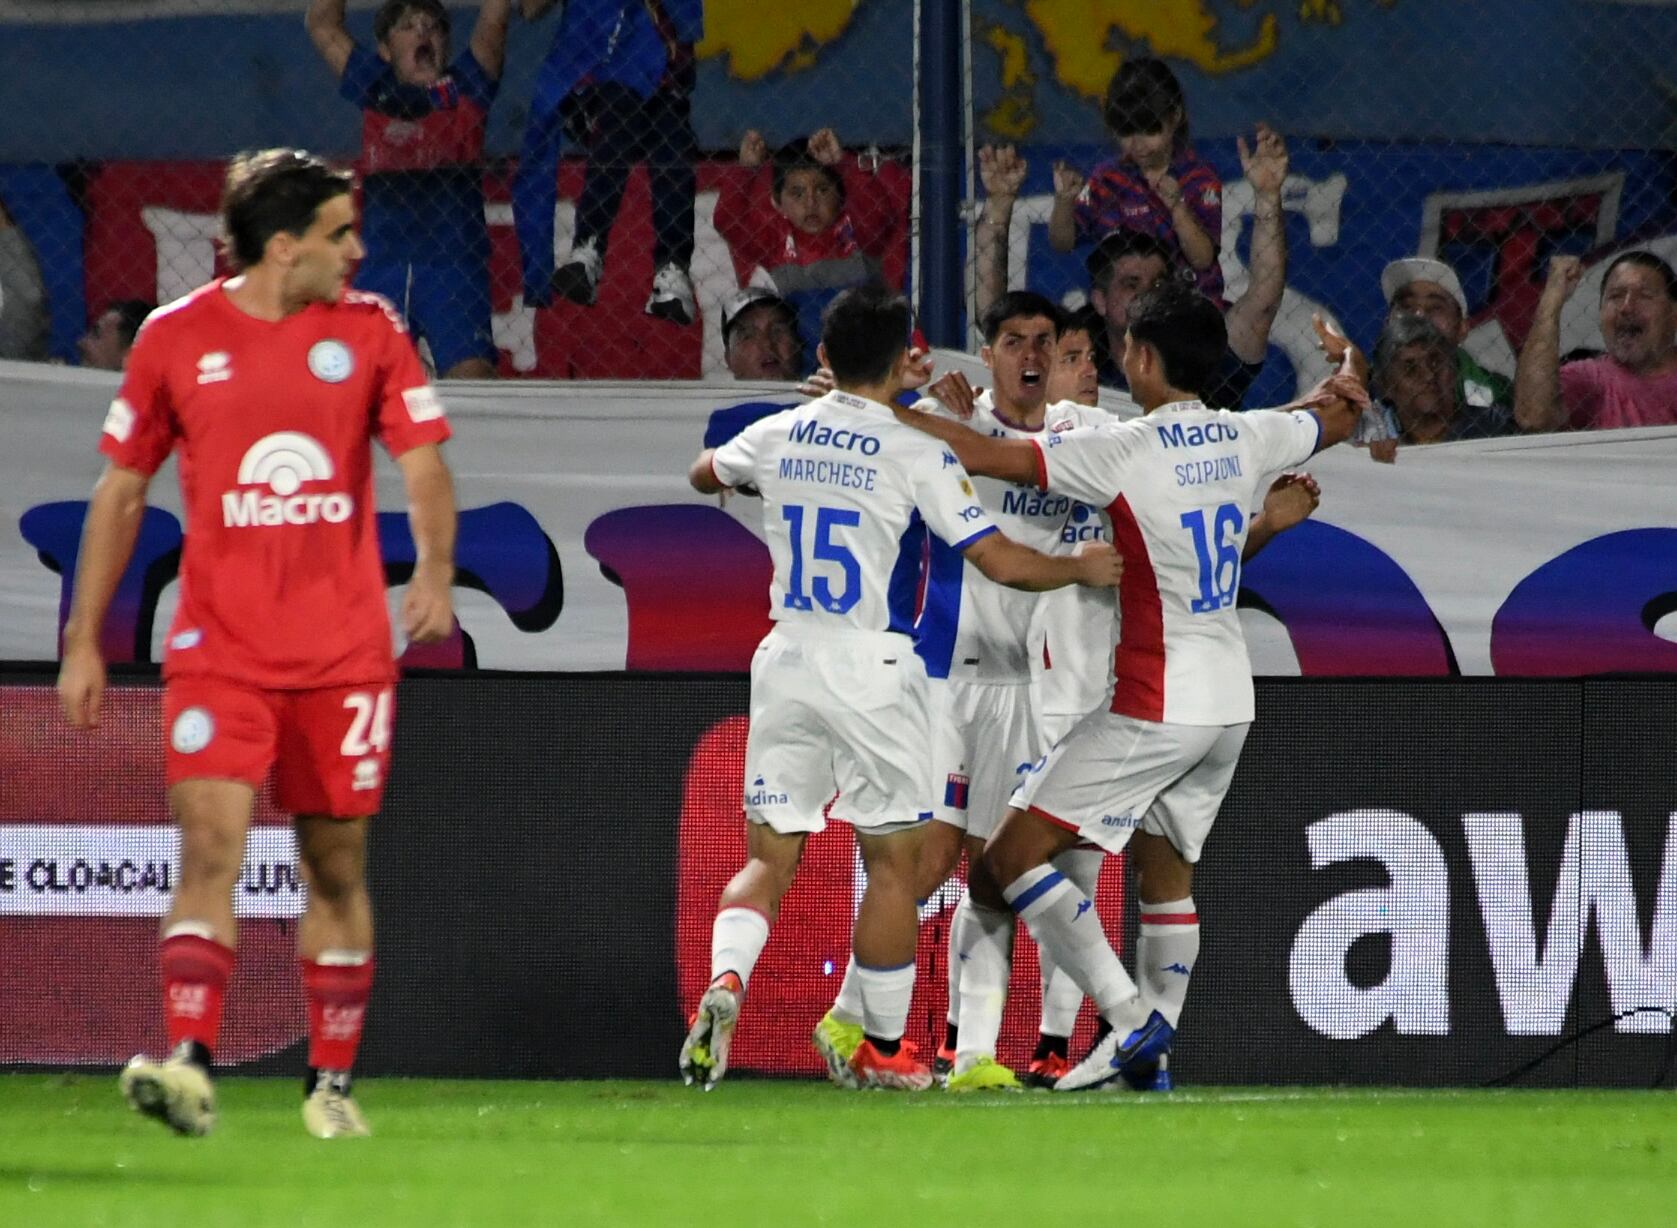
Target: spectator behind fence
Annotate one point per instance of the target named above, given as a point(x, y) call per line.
point(23, 296)
point(811, 217)
point(619, 79)
point(1635, 382)
point(1428, 287)
point(1126, 262)
point(422, 131)
point(760, 336)
point(105, 344)
point(1418, 393)
point(1157, 184)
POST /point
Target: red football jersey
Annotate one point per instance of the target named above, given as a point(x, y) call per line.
point(282, 585)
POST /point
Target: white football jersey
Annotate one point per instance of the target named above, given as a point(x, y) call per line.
point(1177, 487)
point(848, 493)
point(1079, 625)
point(972, 627)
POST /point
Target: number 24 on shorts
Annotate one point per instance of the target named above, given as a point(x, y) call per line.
point(369, 726)
point(823, 549)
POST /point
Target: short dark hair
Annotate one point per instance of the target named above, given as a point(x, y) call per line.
point(1646, 260)
point(863, 330)
point(795, 156)
point(130, 314)
point(1017, 305)
point(392, 11)
point(1186, 329)
point(1142, 96)
point(1084, 319)
point(1121, 243)
point(270, 191)
point(1404, 329)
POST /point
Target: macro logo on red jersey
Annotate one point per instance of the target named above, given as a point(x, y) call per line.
point(283, 462)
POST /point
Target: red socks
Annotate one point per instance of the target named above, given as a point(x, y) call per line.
point(337, 991)
point(195, 973)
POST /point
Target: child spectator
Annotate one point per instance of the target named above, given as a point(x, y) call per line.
point(813, 219)
point(422, 167)
point(1157, 184)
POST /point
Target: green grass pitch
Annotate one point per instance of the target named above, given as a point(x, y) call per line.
point(780, 1153)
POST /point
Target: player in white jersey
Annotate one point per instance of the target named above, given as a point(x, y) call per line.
point(1175, 485)
point(1080, 628)
point(838, 696)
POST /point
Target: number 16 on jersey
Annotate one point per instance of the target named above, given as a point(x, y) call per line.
point(1218, 551)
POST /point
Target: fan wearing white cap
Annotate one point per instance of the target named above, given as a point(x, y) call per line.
point(1426, 287)
point(760, 336)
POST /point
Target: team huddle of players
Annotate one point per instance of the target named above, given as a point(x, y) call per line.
point(902, 688)
point(908, 550)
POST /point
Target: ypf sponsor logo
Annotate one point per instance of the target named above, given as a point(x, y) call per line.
point(283, 462)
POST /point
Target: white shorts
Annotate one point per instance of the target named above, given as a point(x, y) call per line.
point(840, 713)
point(1113, 774)
point(984, 739)
point(1056, 725)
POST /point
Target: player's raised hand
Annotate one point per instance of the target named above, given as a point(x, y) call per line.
point(1002, 171)
point(1099, 565)
point(1291, 499)
point(1339, 349)
point(917, 373)
point(754, 150)
point(81, 686)
point(824, 147)
point(428, 605)
point(818, 383)
point(1068, 181)
point(955, 393)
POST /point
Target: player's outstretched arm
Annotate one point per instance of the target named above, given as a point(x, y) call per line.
point(113, 521)
point(428, 605)
point(1291, 499)
point(1339, 400)
point(701, 474)
point(1008, 562)
point(325, 24)
point(489, 36)
point(1012, 460)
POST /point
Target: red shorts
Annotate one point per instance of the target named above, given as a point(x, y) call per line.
point(329, 748)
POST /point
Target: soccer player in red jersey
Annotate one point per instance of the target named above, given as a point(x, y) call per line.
point(271, 385)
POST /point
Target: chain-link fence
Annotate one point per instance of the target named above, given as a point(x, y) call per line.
point(586, 188)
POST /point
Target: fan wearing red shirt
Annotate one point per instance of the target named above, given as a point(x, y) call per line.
point(270, 386)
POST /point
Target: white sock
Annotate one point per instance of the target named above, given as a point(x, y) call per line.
point(957, 966)
point(1165, 954)
point(981, 941)
point(736, 940)
point(847, 1007)
point(885, 996)
point(1064, 922)
point(1061, 998)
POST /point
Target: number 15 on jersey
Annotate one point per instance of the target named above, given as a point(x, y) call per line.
point(823, 549)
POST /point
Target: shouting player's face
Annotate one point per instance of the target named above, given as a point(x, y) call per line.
point(1074, 376)
point(1020, 358)
point(416, 48)
point(325, 255)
